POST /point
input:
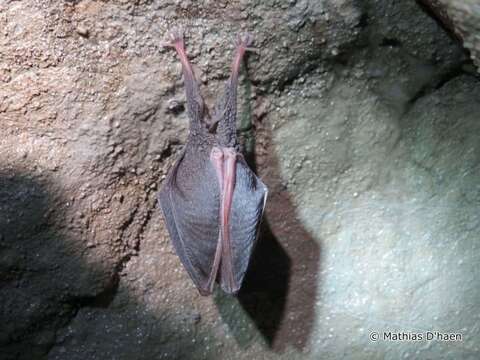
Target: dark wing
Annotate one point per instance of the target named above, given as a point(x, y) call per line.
point(249, 199)
point(190, 201)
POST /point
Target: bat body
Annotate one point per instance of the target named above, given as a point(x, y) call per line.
point(211, 200)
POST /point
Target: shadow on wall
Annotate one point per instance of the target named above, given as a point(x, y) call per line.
point(280, 288)
point(33, 282)
point(52, 277)
point(49, 281)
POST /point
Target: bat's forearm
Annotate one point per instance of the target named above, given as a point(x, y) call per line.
point(224, 161)
point(227, 199)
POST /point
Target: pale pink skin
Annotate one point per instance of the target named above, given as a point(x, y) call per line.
point(178, 44)
point(224, 161)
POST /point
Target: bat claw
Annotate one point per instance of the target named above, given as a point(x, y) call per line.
point(245, 41)
point(175, 38)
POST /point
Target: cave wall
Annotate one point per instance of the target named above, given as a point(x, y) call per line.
point(364, 126)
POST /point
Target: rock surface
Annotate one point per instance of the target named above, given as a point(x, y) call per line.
point(365, 128)
point(461, 17)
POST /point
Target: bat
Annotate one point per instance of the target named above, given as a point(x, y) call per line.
point(211, 200)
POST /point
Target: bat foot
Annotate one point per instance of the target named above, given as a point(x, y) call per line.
point(174, 38)
point(244, 42)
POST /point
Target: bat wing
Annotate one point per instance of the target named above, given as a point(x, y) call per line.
point(248, 204)
point(190, 201)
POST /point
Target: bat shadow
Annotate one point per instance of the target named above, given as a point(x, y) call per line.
point(280, 288)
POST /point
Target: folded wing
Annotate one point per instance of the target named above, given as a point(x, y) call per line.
point(248, 205)
point(190, 201)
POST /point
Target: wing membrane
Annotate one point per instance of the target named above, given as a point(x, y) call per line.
point(246, 213)
point(190, 201)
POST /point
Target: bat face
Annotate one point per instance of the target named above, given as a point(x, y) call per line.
point(212, 201)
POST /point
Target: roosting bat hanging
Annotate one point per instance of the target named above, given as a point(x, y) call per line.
point(212, 201)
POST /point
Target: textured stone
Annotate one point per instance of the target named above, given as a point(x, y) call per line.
point(366, 132)
point(462, 17)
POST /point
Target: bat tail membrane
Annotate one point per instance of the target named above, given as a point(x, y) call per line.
point(190, 202)
point(246, 213)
